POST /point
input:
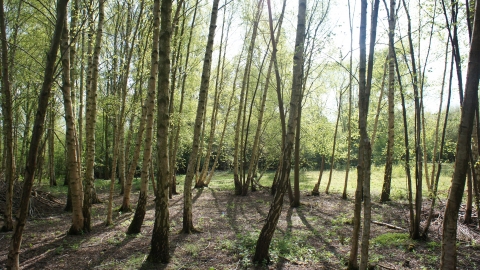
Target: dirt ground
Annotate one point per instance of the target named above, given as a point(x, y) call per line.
point(313, 236)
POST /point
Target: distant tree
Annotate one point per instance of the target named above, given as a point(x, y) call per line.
point(239, 141)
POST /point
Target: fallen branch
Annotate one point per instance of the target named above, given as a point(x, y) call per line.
point(388, 225)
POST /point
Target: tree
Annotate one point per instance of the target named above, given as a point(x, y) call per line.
point(238, 157)
point(202, 99)
point(470, 104)
point(415, 233)
point(7, 124)
point(74, 167)
point(159, 251)
point(147, 121)
point(349, 142)
point(391, 104)
point(174, 143)
point(266, 234)
point(13, 253)
point(127, 185)
point(91, 112)
point(365, 151)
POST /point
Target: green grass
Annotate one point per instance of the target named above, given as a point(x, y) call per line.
point(392, 239)
point(223, 180)
point(308, 179)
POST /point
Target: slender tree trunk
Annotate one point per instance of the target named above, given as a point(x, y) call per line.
point(182, 98)
point(13, 254)
point(238, 164)
point(379, 104)
point(332, 159)
point(205, 80)
point(415, 234)
point(126, 179)
point(387, 180)
point(91, 114)
point(315, 191)
point(350, 79)
point(7, 125)
point(149, 107)
point(266, 234)
point(201, 182)
point(364, 154)
point(75, 182)
point(470, 104)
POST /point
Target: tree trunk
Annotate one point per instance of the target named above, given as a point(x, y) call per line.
point(7, 125)
point(364, 154)
point(350, 85)
point(332, 159)
point(159, 251)
point(182, 98)
point(315, 191)
point(238, 159)
point(149, 108)
point(13, 254)
point(391, 106)
point(205, 80)
point(91, 113)
point(51, 151)
point(75, 182)
point(201, 182)
point(470, 104)
point(415, 234)
point(266, 234)
point(126, 179)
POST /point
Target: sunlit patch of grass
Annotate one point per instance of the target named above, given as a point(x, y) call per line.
point(392, 239)
point(294, 247)
point(135, 261)
point(192, 249)
point(226, 245)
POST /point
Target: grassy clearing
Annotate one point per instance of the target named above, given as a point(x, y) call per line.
point(224, 181)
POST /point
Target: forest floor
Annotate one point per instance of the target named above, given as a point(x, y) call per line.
point(313, 236)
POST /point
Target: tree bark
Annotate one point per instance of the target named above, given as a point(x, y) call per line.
point(149, 109)
point(205, 81)
point(91, 114)
point(387, 180)
point(470, 104)
point(159, 251)
point(364, 154)
point(415, 234)
point(13, 254)
point(266, 234)
point(75, 182)
point(7, 125)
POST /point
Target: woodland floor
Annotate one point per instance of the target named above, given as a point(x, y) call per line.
point(313, 236)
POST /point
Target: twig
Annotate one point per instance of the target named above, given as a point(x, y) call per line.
point(388, 225)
